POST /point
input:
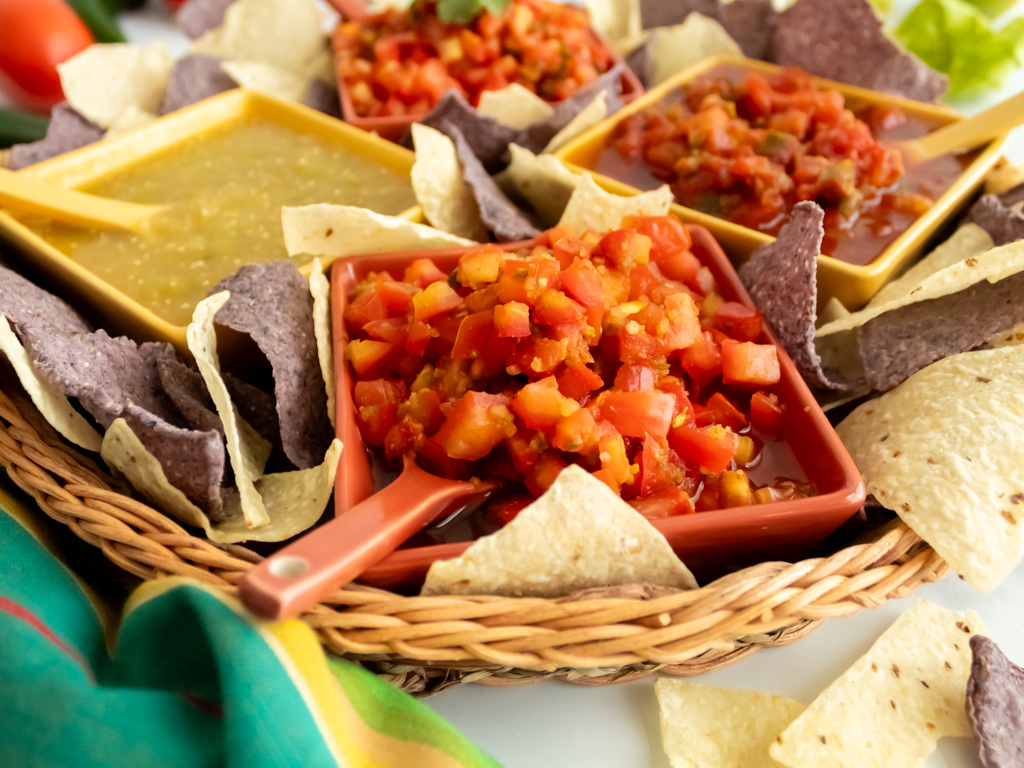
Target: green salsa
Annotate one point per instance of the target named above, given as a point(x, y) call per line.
point(224, 193)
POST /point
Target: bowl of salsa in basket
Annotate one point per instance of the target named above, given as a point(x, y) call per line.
point(636, 354)
point(223, 168)
point(394, 66)
point(741, 142)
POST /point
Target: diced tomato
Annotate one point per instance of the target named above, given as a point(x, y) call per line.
point(424, 407)
point(541, 406)
point(376, 407)
point(583, 283)
point(554, 308)
point(474, 332)
point(576, 433)
point(504, 510)
point(397, 297)
point(683, 325)
point(545, 473)
point(577, 381)
point(367, 357)
point(712, 448)
point(702, 416)
point(725, 412)
point(366, 308)
point(512, 320)
point(523, 449)
point(481, 266)
point(741, 322)
point(636, 414)
point(435, 459)
point(634, 378)
point(766, 413)
point(568, 249)
point(437, 298)
point(749, 363)
point(668, 236)
point(424, 272)
point(702, 360)
point(476, 424)
point(625, 248)
point(668, 502)
point(392, 330)
point(644, 279)
point(419, 337)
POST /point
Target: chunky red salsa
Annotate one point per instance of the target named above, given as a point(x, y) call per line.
point(748, 147)
point(400, 62)
point(615, 352)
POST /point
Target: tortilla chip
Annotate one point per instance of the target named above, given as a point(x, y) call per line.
point(590, 207)
point(104, 80)
point(1007, 338)
point(944, 451)
point(845, 42)
point(187, 390)
point(1004, 177)
point(441, 191)
point(969, 240)
point(641, 59)
point(514, 106)
point(578, 535)
point(1002, 223)
point(782, 280)
point(680, 47)
point(1013, 197)
point(893, 705)
point(488, 137)
point(995, 705)
point(67, 131)
point(195, 77)
point(272, 304)
point(543, 181)
point(26, 304)
point(298, 499)
point(202, 343)
point(499, 214)
point(54, 406)
point(130, 119)
point(334, 231)
point(834, 310)
point(595, 112)
point(617, 22)
point(197, 17)
point(706, 727)
point(751, 23)
point(282, 33)
point(268, 79)
point(320, 288)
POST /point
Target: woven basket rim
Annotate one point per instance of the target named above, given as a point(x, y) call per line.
point(424, 644)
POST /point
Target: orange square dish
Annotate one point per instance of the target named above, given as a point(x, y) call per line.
point(869, 263)
point(707, 541)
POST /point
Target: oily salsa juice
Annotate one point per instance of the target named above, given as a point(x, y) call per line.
point(402, 61)
point(224, 193)
point(748, 147)
point(616, 352)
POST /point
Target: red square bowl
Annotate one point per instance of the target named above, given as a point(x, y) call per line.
point(709, 542)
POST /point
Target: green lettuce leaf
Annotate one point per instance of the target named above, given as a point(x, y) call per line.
point(952, 36)
point(464, 11)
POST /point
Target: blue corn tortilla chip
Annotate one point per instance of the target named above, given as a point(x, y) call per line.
point(844, 41)
point(1012, 196)
point(897, 344)
point(641, 60)
point(193, 78)
point(323, 98)
point(499, 214)
point(26, 304)
point(751, 23)
point(272, 304)
point(1003, 224)
point(781, 278)
point(197, 17)
point(68, 130)
point(995, 705)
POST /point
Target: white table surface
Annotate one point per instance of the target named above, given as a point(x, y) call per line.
point(557, 725)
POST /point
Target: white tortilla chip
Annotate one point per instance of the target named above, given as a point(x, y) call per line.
point(588, 117)
point(679, 47)
point(202, 343)
point(333, 231)
point(945, 451)
point(441, 191)
point(320, 288)
point(578, 535)
point(1010, 338)
point(130, 119)
point(969, 240)
point(834, 310)
point(104, 81)
point(53, 405)
point(590, 207)
point(268, 79)
point(286, 34)
point(891, 707)
point(514, 106)
point(616, 21)
point(296, 500)
point(542, 180)
point(707, 727)
point(1003, 177)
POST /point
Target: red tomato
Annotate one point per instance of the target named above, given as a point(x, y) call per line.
point(637, 414)
point(665, 503)
point(749, 363)
point(725, 412)
point(738, 320)
point(766, 413)
point(35, 37)
point(584, 283)
point(474, 332)
point(712, 447)
point(476, 424)
point(577, 381)
point(540, 405)
point(512, 320)
point(368, 356)
point(437, 298)
point(703, 360)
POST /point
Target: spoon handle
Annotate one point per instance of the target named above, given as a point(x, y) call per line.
point(298, 576)
point(973, 131)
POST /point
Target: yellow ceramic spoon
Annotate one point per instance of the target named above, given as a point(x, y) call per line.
point(965, 134)
point(26, 195)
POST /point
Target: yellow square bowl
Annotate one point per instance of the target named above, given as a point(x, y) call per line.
point(109, 307)
point(853, 285)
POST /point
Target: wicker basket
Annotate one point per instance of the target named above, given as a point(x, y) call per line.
point(424, 644)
